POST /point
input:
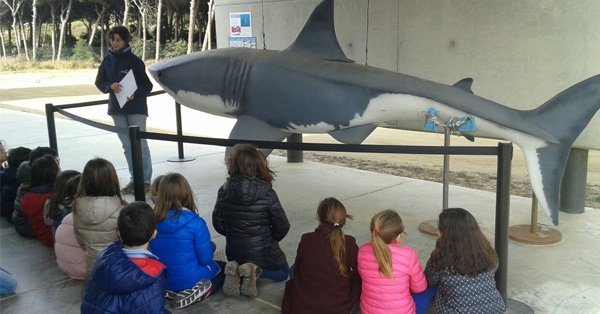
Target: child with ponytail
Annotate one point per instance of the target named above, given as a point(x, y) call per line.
point(393, 280)
point(324, 278)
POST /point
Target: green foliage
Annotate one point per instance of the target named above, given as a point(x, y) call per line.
point(173, 49)
point(137, 47)
point(82, 52)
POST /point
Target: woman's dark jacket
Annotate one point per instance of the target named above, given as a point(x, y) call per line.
point(249, 215)
point(113, 69)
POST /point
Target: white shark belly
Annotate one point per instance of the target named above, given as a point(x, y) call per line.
point(212, 104)
point(388, 107)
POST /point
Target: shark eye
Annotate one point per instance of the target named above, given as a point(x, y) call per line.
point(159, 74)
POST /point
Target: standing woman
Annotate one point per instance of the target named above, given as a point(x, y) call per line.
point(112, 70)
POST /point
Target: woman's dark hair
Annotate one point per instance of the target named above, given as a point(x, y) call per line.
point(462, 248)
point(123, 32)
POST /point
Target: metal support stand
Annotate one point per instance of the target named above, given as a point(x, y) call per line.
point(532, 233)
point(430, 227)
point(180, 157)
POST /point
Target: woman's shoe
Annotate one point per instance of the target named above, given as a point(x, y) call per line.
point(231, 287)
point(249, 273)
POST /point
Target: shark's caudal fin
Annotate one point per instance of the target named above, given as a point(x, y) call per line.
point(564, 117)
point(317, 38)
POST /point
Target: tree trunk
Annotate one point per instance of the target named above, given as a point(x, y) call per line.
point(2, 42)
point(207, 44)
point(34, 40)
point(127, 4)
point(23, 38)
point(95, 26)
point(158, 31)
point(193, 15)
point(53, 15)
point(64, 18)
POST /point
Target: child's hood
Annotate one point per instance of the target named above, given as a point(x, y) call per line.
point(173, 223)
point(95, 210)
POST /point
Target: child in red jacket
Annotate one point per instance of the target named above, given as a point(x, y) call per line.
point(35, 194)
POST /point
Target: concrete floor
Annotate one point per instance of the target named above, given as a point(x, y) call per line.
point(560, 278)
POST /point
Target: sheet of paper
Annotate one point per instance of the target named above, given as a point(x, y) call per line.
point(128, 88)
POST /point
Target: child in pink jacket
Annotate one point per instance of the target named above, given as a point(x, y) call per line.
point(392, 277)
point(70, 257)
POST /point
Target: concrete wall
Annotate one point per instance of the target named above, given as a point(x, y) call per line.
point(520, 53)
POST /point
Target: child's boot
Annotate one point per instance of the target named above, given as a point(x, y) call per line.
point(249, 272)
point(231, 287)
point(197, 293)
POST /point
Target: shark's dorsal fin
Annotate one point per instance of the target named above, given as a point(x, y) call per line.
point(317, 38)
point(465, 84)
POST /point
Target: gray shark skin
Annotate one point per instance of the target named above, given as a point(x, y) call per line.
point(312, 87)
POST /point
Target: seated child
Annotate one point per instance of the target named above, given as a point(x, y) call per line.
point(9, 181)
point(324, 278)
point(19, 220)
point(392, 277)
point(248, 213)
point(127, 278)
point(183, 244)
point(70, 257)
point(58, 204)
point(43, 175)
point(462, 266)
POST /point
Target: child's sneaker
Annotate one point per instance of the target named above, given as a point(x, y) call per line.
point(231, 287)
point(198, 293)
point(170, 294)
point(249, 272)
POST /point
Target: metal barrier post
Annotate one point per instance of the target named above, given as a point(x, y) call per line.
point(505, 151)
point(136, 158)
point(180, 157)
point(51, 126)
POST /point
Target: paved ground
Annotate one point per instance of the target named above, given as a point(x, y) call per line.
point(560, 278)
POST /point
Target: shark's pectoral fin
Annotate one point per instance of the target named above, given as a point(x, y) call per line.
point(353, 135)
point(469, 137)
point(250, 128)
point(465, 84)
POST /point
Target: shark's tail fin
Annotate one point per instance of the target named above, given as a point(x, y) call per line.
point(563, 118)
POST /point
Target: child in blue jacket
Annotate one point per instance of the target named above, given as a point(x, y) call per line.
point(183, 244)
point(127, 278)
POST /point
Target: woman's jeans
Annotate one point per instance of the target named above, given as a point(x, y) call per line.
point(125, 121)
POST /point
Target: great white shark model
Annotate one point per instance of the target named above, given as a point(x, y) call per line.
point(312, 87)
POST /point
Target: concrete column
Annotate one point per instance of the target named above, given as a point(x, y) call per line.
point(573, 185)
point(295, 155)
